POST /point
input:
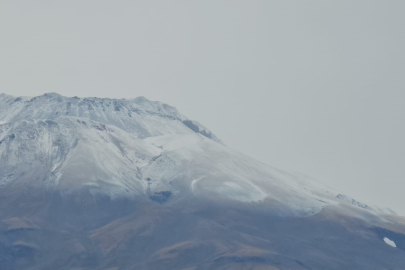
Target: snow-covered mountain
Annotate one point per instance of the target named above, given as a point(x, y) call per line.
point(134, 184)
point(45, 144)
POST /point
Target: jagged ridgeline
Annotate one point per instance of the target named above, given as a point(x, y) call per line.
point(93, 183)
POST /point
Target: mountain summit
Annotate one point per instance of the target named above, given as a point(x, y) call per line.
point(92, 183)
point(138, 116)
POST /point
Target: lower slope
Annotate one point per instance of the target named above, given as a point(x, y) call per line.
point(78, 194)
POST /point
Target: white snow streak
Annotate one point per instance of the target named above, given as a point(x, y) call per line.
point(195, 182)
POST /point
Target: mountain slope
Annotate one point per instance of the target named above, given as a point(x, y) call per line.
point(69, 152)
point(90, 187)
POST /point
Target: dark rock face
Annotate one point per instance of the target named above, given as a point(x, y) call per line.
point(191, 125)
point(161, 197)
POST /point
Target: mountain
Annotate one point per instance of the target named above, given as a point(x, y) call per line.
point(91, 183)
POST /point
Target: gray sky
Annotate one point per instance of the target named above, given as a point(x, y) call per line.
point(311, 86)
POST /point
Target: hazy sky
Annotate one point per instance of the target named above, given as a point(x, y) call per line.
point(311, 86)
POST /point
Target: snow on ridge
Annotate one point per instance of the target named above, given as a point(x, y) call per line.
point(353, 202)
point(141, 116)
point(374, 209)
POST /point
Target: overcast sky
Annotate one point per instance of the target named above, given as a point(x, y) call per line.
point(316, 87)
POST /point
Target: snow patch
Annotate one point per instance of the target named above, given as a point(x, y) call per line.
point(390, 242)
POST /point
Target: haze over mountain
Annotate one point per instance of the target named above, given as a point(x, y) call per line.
point(91, 183)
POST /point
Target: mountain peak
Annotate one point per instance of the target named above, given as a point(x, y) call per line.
point(140, 116)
